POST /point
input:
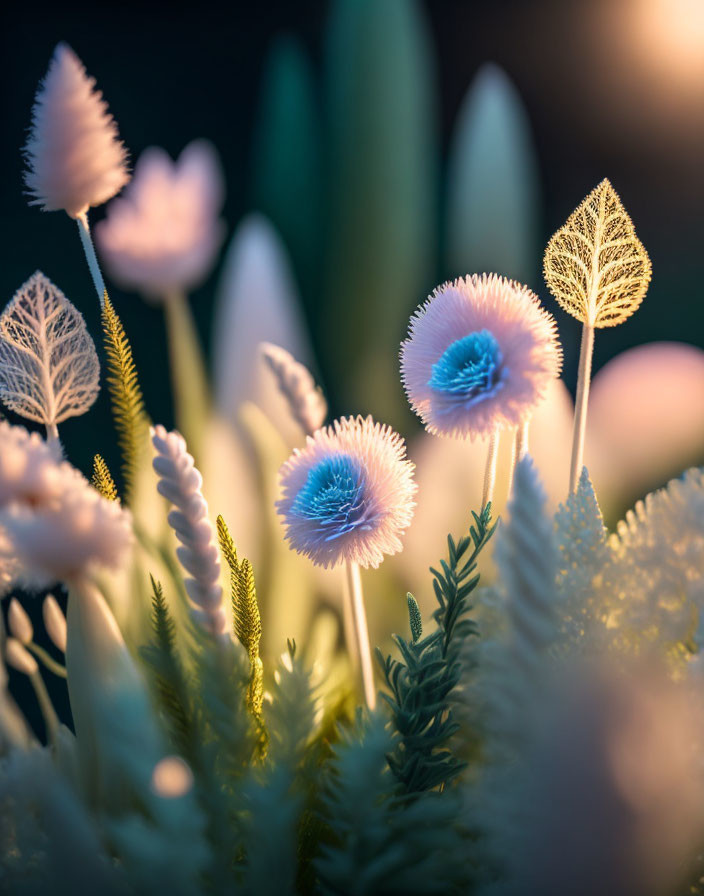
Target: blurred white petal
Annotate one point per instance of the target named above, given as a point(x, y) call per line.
point(257, 302)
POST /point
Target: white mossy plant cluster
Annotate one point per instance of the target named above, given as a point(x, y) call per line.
point(540, 727)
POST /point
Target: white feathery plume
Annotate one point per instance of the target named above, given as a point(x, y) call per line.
point(19, 623)
point(49, 368)
point(305, 399)
point(74, 156)
point(180, 483)
point(54, 622)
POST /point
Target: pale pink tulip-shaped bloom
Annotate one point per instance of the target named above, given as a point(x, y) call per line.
point(349, 494)
point(479, 356)
point(163, 235)
point(74, 156)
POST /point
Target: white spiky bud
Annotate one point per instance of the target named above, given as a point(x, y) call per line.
point(180, 483)
point(17, 656)
point(305, 399)
point(54, 622)
point(74, 156)
point(19, 623)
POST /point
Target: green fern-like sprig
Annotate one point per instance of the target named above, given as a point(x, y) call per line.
point(102, 480)
point(170, 683)
point(422, 681)
point(131, 420)
point(246, 616)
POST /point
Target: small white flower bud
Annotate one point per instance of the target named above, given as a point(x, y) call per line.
point(19, 622)
point(20, 658)
point(54, 622)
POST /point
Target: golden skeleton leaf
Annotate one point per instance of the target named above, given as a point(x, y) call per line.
point(595, 265)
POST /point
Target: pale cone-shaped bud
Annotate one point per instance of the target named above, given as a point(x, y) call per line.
point(17, 656)
point(54, 622)
point(19, 623)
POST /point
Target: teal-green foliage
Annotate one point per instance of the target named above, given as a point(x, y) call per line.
point(422, 681)
point(384, 843)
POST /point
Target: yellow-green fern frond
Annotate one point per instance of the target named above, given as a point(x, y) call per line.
point(227, 545)
point(248, 628)
point(131, 419)
point(102, 479)
point(246, 617)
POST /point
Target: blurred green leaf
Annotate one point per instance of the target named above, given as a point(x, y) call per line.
point(493, 188)
point(382, 166)
point(287, 156)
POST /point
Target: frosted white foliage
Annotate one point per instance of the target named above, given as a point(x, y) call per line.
point(659, 579)
point(49, 368)
point(181, 484)
point(527, 564)
point(305, 399)
point(585, 560)
point(74, 157)
point(514, 662)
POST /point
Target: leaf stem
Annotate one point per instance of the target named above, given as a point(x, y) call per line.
point(580, 410)
point(519, 449)
point(490, 468)
point(91, 257)
point(355, 599)
point(47, 661)
point(51, 720)
point(189, 381)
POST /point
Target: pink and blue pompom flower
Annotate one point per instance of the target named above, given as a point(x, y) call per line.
point(479, 356)
point(349, 494)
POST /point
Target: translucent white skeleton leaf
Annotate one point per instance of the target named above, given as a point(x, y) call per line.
point(49, 368)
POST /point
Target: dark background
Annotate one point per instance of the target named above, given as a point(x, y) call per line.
point(612, 88)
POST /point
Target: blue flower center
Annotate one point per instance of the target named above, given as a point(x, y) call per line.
point(469, 370)
point(334, 496)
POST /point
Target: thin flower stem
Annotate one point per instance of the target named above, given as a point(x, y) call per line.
point(189, 381)
point(519, 449)
point(53, 440)
point(46, 660)
point(91, 257)
point(580, 410)
point(51, 720)
point(490, 468)
point(359, 618)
